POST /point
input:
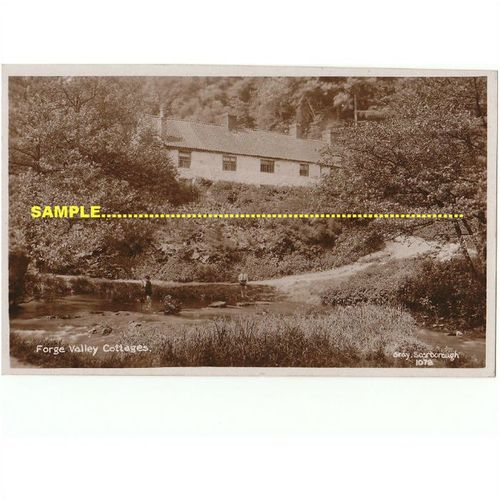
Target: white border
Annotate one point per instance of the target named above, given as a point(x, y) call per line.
point(207, 70)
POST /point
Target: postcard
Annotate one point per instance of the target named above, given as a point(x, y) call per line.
point(227, 220)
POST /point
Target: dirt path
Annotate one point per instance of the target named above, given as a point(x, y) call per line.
point(308, 287)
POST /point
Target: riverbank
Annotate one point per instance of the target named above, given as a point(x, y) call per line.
point(78, 310)
point(364, 336)
point(303, 287)
point(89, 320)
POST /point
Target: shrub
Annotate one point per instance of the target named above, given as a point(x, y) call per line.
point(46, 286)
point(448, 290)
point(379, 285)
point(438, 289)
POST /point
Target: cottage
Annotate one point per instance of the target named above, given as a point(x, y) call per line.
point(228, 153)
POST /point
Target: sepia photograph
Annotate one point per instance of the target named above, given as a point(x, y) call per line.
point(249, 250)
point(178, 221)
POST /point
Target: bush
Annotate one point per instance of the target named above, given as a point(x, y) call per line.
point(379, 285)
point(46, 286)
point(440, 290)
point(446, 290)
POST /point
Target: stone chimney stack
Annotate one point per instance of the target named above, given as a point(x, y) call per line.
point(327, 136)
point(295, 131)
point(229, 121)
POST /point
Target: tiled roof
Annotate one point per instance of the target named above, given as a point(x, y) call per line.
point(204, 137)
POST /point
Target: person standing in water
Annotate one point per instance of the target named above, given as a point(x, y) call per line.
point(243, 279)
point(148, 292)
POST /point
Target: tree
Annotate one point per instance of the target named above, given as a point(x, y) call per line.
point(81, 141)
point(428, 156)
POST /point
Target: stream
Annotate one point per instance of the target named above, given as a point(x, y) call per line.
point(71, 318)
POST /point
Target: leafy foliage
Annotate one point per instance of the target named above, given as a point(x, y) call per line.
point(446, 290)
point(80, 141)
point(443, 290)
point(428, 156)
point(419, 145)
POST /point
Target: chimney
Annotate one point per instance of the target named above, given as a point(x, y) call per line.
point(327, 136)
point(229, 121)
point(295, 131)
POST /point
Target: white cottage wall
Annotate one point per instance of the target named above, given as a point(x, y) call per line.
point(208, 165)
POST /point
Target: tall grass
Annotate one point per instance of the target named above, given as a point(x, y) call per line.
point(440, 290)
point(361, 336)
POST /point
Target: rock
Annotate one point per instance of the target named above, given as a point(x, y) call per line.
point(100, 330)
point(219, 303)
point(170, 305)
point(458, 333)
point(106, 330)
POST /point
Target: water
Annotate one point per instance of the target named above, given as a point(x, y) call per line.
point(71, 318)
point(472, 346)
point(70, 305)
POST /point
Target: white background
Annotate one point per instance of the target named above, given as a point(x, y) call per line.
point(111, 437)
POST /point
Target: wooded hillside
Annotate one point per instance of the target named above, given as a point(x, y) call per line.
point(409, 145)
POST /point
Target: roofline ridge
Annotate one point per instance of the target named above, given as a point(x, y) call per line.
point(247, 129)
point(284, 134)
point(193, 121)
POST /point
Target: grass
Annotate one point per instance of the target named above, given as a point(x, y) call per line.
point(379, 284)
point(360, 336)
point(442, 292)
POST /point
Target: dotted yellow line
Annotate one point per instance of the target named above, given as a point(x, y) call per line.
point(281, 216)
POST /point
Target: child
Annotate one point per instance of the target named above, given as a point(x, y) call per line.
point(148, 292)
point(243, 279)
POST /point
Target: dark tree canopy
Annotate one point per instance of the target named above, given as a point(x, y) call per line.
point(427, 156)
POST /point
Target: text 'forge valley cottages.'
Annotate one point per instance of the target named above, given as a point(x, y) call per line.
point(228, 153)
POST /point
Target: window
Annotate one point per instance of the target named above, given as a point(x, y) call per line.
point(304, 169)
point(229, 163)
point(267, 166)
point(184, 159)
